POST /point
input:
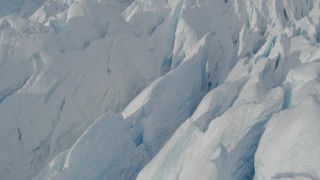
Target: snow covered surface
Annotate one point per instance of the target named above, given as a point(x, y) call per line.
point(156, 89)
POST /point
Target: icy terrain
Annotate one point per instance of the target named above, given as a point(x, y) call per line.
point(159, 89)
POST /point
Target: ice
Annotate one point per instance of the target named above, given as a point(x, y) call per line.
point(9, 6)
point(216, 103)
point(89, 71)
point(226, 149)
point(152, 114)
point(298, 144)
point(93, 157)
point(56, 164)
point(140, 134)
point(291, 153)
point(223, 151)
point(159, 89)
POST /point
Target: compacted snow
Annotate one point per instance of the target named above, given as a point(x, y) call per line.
point(159, 89)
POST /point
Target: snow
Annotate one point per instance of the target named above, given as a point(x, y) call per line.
point(151, 114)
point(226, 146)
point(8, 7)
point(54, 69)
point(222, 151)
point(92, 157)
point(216, 102)
point(159, 89)
point(291, 153)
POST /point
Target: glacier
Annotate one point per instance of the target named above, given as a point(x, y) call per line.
point(159, 89)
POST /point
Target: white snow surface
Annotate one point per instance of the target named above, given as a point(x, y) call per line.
point(159, 89)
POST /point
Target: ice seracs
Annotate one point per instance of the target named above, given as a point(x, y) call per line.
point(60, 74)
point(272, 71)
point(187, 89)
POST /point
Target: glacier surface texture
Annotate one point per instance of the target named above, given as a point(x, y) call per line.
point(159, 89)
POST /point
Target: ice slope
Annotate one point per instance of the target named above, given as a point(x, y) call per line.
point(202, 89)
point(147, 132)
point(151, 115)
point(289, 147)
point(92, 157)
point(27, 8)
point(274, 86)
point(8, 7)
point(60, 70)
